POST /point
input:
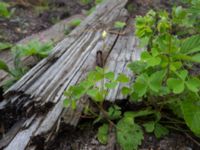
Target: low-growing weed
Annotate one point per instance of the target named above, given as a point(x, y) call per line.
point(33, 48)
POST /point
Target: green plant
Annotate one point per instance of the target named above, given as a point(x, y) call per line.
point(33, 48)
point(89, 86)
point(4, 12)
point(86, 2)
point(119, 25)
point(16, 73)
point(165, 86)
point(164, 76)
point(90, 11)
point(98, 1)
point(5, 45)
point(74, 23)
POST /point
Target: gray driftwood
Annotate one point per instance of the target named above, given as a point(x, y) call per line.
point(38, 96)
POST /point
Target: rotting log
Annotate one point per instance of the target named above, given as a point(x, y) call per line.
point(56, 33)
point(37, 98)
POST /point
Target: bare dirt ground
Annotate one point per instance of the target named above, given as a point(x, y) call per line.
point(27, 20)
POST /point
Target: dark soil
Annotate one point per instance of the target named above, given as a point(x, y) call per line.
point(27, 20)
point(84, 138)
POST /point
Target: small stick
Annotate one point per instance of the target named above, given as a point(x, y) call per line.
point(191, 138)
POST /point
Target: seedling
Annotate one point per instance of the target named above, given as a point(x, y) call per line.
point(119, 25)
point(33, 48)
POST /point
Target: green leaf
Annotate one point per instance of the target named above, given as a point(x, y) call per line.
point(140, 113)
point(196, 58)
point(4, 12)
point(179, 14)
point(95, 76)
point(4, 67)
point(193, 84)
point(137, 66)
point(177, 85)
point(145, 55)
point(175, 65)
point(149, 126)
point(183, 74)
point(78, 91)
point(155, 80)
point(140, 88)
point(33, 48)
point(160, 130)
point(102, 134)
point(5, 45)
point(123, 78)
point(141, 85)
point(75, 23)
point(86, 84)
point(129, 134)
point(66, 102)
point(114, 112)
point(111, 85)
point(150, 60)
point(110, 76)
point(96, 95)
point(119, 25)
point(154, 61)
point(73, 104)
point(98, 1)
point(191, 45)
point(191, 114)
point(175, 107)
point(125, 91)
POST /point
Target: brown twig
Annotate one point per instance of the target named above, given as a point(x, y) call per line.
point(192, 139)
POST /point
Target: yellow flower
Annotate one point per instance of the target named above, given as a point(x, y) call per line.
point(104, 34)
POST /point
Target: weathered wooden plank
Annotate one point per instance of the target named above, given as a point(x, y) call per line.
point(11, 133)
point(22, 138)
